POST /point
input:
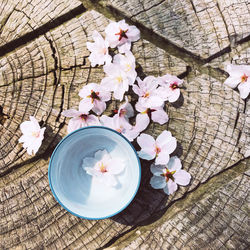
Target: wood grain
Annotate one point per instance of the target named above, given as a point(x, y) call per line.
point(44, 63)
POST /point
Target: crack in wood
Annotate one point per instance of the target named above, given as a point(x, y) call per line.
point(54, 57)
point(202, 190)
point(43, 29)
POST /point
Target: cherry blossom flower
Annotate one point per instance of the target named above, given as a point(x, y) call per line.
point(94, 97)
point(103, 167)
point(157, 114)
point(127, 64)
point(239, 76)
point(168, 176)
point(32, 135)
point(116, 80)
point(125, 111)
point(160, 148)
point(99, 50)
point(121, 34)
point(80, 119)
point(170, 90)
point(147, 92)
point(121, 126)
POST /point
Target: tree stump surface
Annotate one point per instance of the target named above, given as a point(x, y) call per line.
point(43, 65)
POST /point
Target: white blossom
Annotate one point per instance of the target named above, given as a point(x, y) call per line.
point(94, 97)
point(103, 167)
point(170, 87)
point(169, 175)
point(160, 148)
point(80, 119)
point(116, 80)
point(239, 76)
point(99, 50)
point(147, 92)
point(121, 34)
point(32, 135)
point(156, 114)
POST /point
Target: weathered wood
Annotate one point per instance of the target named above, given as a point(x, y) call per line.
point(210, 122)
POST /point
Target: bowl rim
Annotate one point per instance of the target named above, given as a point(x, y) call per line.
point(50, 179)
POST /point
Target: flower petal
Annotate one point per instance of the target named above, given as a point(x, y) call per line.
point(71, 113)
point(171, 187)
point(232, 82)
point(159, 116)
point(74, 124)
point(166, 142)
point(117, 166)
point(146, 141)
point(86, 105)
point(244, 89)
point(108, 179)
point(99, 107)
point(142, 121)
point(157, 169)
point(157, 182)
point(124, 47)
point(146, 154)
point(174, 95)
point(182, 177)
point(100, 154)
point(174, 164)
point(93, 120)
point(162, 158)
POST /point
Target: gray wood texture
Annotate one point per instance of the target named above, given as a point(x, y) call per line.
point(43, 64)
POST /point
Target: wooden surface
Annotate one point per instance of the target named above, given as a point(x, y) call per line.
point(43, 64)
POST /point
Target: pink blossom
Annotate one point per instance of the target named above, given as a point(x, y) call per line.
point(99, 50)
point(121, 126)
point(239, 76)
point(160, 148)
point(126, 111)
point(79, 119)
point(169, 175)
point(170, 89)
point(103, 167)
point(147, 92)
point(32, 135)
point(121, 34)
point(116, 80)
point(94, 97)
point(157, 114)
point(127, 64)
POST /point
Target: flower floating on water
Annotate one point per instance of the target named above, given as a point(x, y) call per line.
point(168, 176)
point(99, 50)
point(160, 148)
point(147, 92)
point(121, 34)
point(80, 119)
point(239, 76)
point(94, 97)
point(32, 135)
point(170, 90)
point(103, 167)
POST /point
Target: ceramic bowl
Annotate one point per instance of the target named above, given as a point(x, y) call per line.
point(80, 193)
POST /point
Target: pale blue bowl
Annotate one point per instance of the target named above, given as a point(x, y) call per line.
point(78, 192)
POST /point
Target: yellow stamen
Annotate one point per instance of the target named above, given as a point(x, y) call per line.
point(244, 78)
point(103, 168)
point(35, 134)
point(128, 67)
point(119, 79)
